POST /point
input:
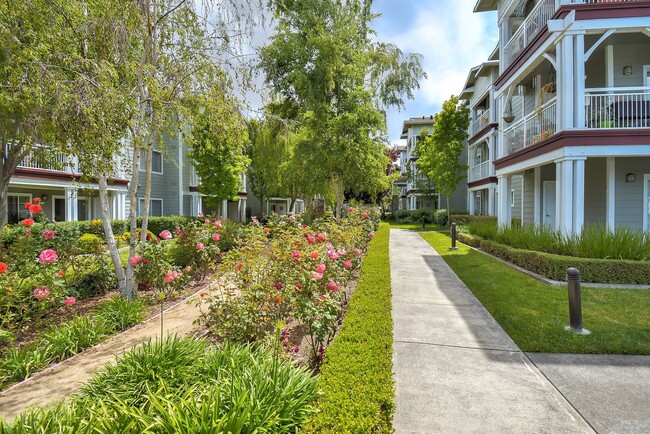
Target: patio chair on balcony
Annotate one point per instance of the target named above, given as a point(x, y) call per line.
point(631, 113)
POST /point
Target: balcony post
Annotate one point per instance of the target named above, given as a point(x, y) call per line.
point(578, 195)
point(71, 205)
point(564, 196)
point(579, 102)
point(565, 82)
point(537, 213)
point(504, 212)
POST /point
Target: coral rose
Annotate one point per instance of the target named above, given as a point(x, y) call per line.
point(70, 301)
point(27, 222)
point(314, 255)
point(135, 260)
point(3, 268)
point(37, 200)
point(35, 208)
point(347, 264)
point(48, 234)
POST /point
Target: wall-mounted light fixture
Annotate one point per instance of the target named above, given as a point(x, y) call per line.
point(627, 70)
point(44, 197)
point(630, 177)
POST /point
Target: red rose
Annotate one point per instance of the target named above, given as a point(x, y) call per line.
point(35, 208)
point(27, 222)
point(3, 268)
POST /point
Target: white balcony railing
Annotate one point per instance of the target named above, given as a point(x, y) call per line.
point(535, 126)
point(617, 107)
point(532, 25)
point(58, 161)
point(480, 123)
point(598, 1)
point(479, 171)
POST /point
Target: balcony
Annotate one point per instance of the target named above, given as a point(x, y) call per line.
point(534, 127)
point(532, 25)
point(41, 160)
point(617, 107)
point(480, 123)
point(479, 171)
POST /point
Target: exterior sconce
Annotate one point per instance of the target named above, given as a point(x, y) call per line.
point(627, 70)
point(44, 197)
point(630, 177)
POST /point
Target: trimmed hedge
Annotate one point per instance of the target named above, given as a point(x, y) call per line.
point(469, 239)
point(356, 381)
point(614, 271)
point(464, 219)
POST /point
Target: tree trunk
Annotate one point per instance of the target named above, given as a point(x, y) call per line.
point(108, 232)
point(4, 211)
point(292, 204)
point(129, 287)
point(340, 196)
point(147, 193)
point(448, 211)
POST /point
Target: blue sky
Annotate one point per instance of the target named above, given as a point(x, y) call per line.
point(451, 38)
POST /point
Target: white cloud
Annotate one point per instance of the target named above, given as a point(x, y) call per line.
point(451, 38)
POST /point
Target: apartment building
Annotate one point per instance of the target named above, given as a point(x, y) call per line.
point(568, 114)
point(415, 192)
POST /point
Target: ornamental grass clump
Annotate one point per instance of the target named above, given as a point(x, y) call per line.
point(183, 385)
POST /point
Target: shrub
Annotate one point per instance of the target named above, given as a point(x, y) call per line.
point(611, 271)
point(356, 381)
point(181, 385)
point(91, 276)
point(119, 313)
point(89, 244)
point(18, 364)
point(470, 240)
point(440, 216)
point(466, 219)
point(72, 337)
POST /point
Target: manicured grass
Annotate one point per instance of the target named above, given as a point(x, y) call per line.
point(415, 226)
point(534, 313)
point(356, 380)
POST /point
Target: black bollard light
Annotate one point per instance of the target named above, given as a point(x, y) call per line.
point(453, 237)
point(575, 303)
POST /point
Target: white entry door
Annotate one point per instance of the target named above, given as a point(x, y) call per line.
point(548, 208)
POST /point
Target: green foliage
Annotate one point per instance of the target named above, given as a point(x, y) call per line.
point(181, 385)
point(119, 313)
point(534, 313)
point(356, 381)
point(440, 152)
point(18, 364)
point(72, 337)
point(89, 276)
point(89, 244)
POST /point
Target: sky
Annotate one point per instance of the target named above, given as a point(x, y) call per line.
point(451, 38)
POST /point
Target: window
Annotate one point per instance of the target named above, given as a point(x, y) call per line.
point(156, 161)
point(155, 207)
point(16, 210)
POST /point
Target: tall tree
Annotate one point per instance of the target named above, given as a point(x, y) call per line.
point(324, 60)
point(440, 153)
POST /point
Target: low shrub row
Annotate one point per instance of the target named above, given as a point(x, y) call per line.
point(438, 217)
point(613, 271)
point(464, 219)
point(69, 338)
point(182, 386)
point(356, 381)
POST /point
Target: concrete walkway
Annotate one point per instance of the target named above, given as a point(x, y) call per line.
point(456, 370)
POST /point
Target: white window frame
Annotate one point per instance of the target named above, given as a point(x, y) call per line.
point(143, 158)
point(18, 195)
point(141, 206)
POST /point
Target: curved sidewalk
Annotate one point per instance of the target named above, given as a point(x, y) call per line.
point(456, 370)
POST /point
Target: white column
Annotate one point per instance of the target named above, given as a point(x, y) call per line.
point(564, 196)
point(224, 209)
point(242, 216)
point(504, 210)
point(491, 198)
point(470, 196)
point(611, 193)
point(537, 194)
point(71, 206)
point(609, 64)
point(567, 91)
point(121, 201)
point(578, 195)
point(579, 102)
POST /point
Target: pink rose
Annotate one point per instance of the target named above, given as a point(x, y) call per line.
point(199, 246)
point(217, 224)
point(47, 256)
point(342, 252)
point(332, 255)
point(70, 301)
point(332, 286)
point(371, 235)
point(135, 260)
point(314, 255)
point(48, 234)
point(358, 252)
point(296, 254)
point(320, 268)
point(316, 276)
point(169, 277)
point(166, 235)
point(41, 292)
point(364, 215)
point(350, 209)
point(320, 237)
point(347, 264)
point(311, 240)
point(216, 237)
point(28, 231)
point(329, 246)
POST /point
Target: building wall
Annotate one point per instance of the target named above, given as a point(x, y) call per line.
point(516, 184)
point(629, 195)
point(595, 190)
point(634, 55)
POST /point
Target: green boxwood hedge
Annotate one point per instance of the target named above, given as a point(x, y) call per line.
point(356, 382)
point(613, 271)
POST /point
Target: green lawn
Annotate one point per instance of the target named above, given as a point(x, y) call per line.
point(415, 226)
point(534, 313)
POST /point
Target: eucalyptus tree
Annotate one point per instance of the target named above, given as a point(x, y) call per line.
point(440, 152)
point(325, 59)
